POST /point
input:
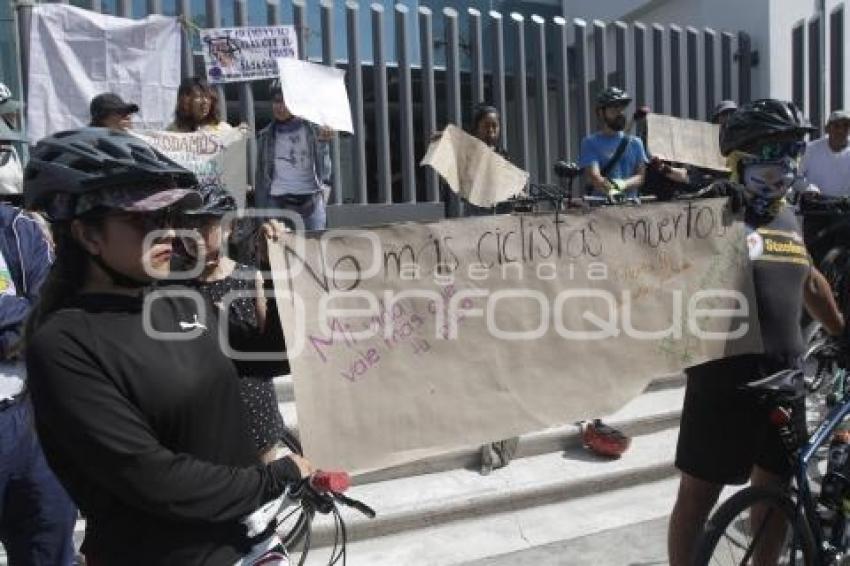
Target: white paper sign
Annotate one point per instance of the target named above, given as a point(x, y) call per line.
point(76, 54)
point(316, 93)
point(246, 53)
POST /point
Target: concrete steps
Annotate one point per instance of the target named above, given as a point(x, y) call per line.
point(444, 512)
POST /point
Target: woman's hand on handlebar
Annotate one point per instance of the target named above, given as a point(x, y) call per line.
point(304, 466)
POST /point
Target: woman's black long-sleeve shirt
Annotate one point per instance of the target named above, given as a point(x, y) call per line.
point(147, 433)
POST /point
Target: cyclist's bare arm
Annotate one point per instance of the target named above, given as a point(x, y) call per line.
point(595, 178)
point(820, 303)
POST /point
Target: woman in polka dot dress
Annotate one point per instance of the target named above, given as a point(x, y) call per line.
point(252, 325)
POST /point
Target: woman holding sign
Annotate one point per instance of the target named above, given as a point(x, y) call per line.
point(137, 407)
point(197, 108)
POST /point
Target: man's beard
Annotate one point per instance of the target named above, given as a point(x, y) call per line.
point(618, 124)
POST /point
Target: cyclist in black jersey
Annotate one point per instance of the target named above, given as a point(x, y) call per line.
point(725, 435)
point(137, 407)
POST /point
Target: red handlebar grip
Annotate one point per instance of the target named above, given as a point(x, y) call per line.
point(337, 482)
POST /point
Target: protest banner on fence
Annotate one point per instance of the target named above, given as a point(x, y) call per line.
point(316, 93)
point(410, 339)
point(246, 53)
point(472, 169)
point(215, 157)
point(76, 54)
point(684, 141)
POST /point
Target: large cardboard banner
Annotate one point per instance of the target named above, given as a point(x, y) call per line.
point(76, 54)
point(473, 170)
point(248, 53)
point(215, 157)
point(413, 338)
point(684, 141)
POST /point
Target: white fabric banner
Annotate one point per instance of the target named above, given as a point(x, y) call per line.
point(76, 54)
point(215, 157)
point(247, 53)
point(316, 93)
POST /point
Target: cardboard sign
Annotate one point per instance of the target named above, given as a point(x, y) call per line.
point(411, 339)
point(685, 141)
point(316, 93)
point(472, 169)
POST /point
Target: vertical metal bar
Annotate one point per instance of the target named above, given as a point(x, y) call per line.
point(125, 8)
point(640, 63)
point(214, 20)
point(745, 67)
point(475, 54)
point(582, 97)
point(658, 68)
point(299, 19)
point(600, 56)
point(273, 12)
point(355, 89)
point(542, 95)
point(692, 56)
point(798, 65)
point(563, 100)
point(246, 100)
point(382, 118)
point(187, 59)
point(815, 69)
point(453, 66)
point(429, 95)
point(408, 163)
point(521, 89)
point(676, 70)
point(454, 206)
point(154, 6)
point(726, 65)
point(95, 5)
point(836, 59)
point(620, 33)
point(329, 59)
point(499, 96)
point(709, 42)
point(23, 17)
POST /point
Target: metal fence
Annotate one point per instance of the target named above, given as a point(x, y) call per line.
point(541, 73)
point(818, 71)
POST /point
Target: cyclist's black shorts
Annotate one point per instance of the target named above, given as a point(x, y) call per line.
point(725, 430)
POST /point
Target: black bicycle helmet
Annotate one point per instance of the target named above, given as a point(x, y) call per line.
point(762, 121)
point(76, 162)
point(215, 201)
point(612, 96)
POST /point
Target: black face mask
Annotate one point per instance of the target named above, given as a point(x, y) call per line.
point(618, 124)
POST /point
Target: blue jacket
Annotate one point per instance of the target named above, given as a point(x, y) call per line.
point(265, 161)
point(28, 256)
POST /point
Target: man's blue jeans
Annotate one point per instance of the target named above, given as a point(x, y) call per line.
point(311, 208)
point(36, 514)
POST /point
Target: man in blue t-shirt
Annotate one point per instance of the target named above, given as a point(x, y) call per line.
point(625, 176)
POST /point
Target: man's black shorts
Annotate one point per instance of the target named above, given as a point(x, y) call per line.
point(725, 430)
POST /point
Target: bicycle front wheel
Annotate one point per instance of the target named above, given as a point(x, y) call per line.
point(756, 527)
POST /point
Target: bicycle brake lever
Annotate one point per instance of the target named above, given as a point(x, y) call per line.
point(354, 504)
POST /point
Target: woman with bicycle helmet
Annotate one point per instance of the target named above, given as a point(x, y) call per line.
point(726, 436)
point(137, 407)
point(238, 290)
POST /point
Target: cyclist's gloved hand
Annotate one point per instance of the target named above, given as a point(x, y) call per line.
point(734, 191)
point(615, 190)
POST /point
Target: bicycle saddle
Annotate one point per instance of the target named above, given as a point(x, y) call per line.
point(784, 383)
point(566, 170)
